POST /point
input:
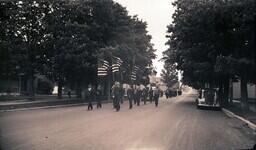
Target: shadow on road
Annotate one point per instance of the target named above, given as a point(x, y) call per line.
point(187, 103)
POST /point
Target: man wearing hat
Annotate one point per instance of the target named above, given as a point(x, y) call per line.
point(116, 93)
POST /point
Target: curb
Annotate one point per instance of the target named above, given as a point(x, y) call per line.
point(43, 107)
point(39, 104)
point(53, 106)
point(247, 122)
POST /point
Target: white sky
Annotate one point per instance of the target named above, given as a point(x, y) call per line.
point(158, 14)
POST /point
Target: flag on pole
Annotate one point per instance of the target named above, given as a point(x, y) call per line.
point(103, 67)
point(116, 64)
point(134, 73)
point(105, 64)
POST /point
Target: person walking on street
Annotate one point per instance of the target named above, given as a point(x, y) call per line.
point(151, 95)
point(112, 95)
point(135, 90)
point(98, 93)
point(130, 95)
point(90, 96)
point(138, 96)
point(156, 95)
point(122, 94)
point(144, 95)
point(116, 92)
point(69, 94)
point(167, 93)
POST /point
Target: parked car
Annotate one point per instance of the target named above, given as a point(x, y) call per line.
point(208, 98)
point(172, 93)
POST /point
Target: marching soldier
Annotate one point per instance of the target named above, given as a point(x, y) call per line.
point(135, 90)
point(90, 96)
point(151, 95)
point(122, 94)
point(138, 96)
point(116, 92)
point(156, 95)
point(144, 95)
point(69, 94)
point(98, 93)
point(130, 95)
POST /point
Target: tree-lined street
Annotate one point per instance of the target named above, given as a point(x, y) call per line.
point(84, 52)
point(176, 124)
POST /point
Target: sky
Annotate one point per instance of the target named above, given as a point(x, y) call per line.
point(158, 14)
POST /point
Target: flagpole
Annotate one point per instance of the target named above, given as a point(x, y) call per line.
point(133, 65)
point(116, 68)
point(109, 80)
point(104, 71)
point(121, 76)
point(114, 76)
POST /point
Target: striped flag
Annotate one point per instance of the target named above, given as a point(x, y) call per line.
point(105, 64)
point(117, 62)
point(103, 67)
point(134, 73)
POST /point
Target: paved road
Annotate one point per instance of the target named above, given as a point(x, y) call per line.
point(175, 125)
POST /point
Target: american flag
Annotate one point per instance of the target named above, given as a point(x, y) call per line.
point(134, 72)
point(103, 67)
point(116, 64)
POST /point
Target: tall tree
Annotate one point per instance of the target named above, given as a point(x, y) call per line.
point(169, 75)
point(126, 36)
point(26, 34)
point(211, 43)
point(75, 52)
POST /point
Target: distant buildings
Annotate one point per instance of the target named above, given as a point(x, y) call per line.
point(156, 81)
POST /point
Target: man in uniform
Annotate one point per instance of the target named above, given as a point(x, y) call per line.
point(116, 92)
point(144, 95)
point(122, 94)
point(151, 95)
point(135, 90)
point(156, 95)
point(98, 93)
point(69, 94)
point(138, 96)
point(130, 95)
point(90, 96)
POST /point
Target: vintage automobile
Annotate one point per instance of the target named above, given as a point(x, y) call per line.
point(208, 99)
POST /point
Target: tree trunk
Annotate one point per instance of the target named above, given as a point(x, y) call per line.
point(220, 93)
point(109, 86)
point(225, 92)
point(231, 92)
point(78, 91)
point(31, 88)
point(244, 94)
point(60, 85)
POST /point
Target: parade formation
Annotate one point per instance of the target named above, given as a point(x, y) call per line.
point(62, 61)
point(134, 94)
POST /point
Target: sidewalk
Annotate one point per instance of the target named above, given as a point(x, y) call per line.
point(40, 102)
point(248, 117)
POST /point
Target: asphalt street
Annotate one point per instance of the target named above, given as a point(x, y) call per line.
point(175, 125)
